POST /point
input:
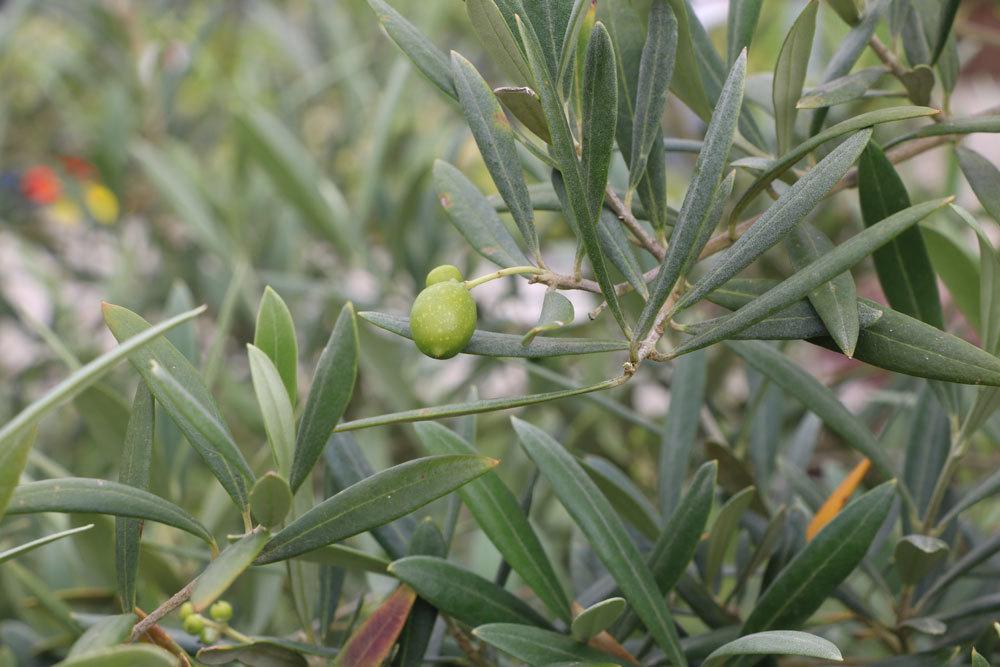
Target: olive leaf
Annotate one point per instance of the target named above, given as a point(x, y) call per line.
point(537, 646)
point(790, 74)
point(431, 62)
point(775, 642)
point(275, 408)
point(526, 106)
point(842, 89)
point(557, 312)
point(136, 462)
point(741, 22)
point(274, 335)
point(986, 123)
point(20, 549)
point(223, 571)
point(496, 37)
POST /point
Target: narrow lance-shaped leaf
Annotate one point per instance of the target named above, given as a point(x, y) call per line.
point(178, 387)
point(775, 642)
point(274, 335)
point(462, 594)
point(427, 57)
point(949, 8)
point(499, 515)
point(777, 221)
point(563, 147)
point(475, 218)
point(784, 162)
point(989, 123)
point(687, 393)
point(223, 571)
point(675, 546)
point(741, 22)
point(984, 178)
point(14, 450)
point(20, 549)
point(627, 499)
point(600, 114)
point(536, 646)
point(693, 217)
point(836, 301)
point(842, 89)
point(903, 265)
point(493, 344)
point(496, 37)
point(11, 434)
point(332, 387)
point(815, 274)
point(655, 71)
point(723, 532)
point(374, 501)
point(495, 139)
point(802, 586)
point(799, 384)
point(108, 631)
point(275, 408)
point(526, 106)
point(790, 74)
point(596, 518)
point(136, 460)
point(472, 407)
point(557, 312)
point(97, 496)
point(206, 432)
point(123, 656)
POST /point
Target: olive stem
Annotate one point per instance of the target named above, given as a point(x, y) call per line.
point(511, 271)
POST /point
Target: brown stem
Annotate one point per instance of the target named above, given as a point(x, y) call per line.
point(624, 214)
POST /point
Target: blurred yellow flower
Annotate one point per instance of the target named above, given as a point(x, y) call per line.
point(65, 212)
point(101, 203)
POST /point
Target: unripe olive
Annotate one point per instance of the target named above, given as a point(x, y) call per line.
point(443, 319)
point(439, 274)
point(186, 610)
point(209, 635)
point(221, 611)
point(194, 624)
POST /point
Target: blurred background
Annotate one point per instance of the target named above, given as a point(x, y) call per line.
point(165, 153)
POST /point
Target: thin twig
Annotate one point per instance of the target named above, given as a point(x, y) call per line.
point(154, 617)
point(625, 215)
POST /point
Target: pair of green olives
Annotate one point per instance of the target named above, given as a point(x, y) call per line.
point(443, 316)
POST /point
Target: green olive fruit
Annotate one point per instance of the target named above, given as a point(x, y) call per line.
point(443, 319)
point(186, 610)
point(221, 611)
point(194, 624)
point(439, 274)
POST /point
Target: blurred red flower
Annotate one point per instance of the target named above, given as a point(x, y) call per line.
point(40, 185)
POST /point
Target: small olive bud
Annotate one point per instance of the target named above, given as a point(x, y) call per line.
point(194, 624)
point(221, 611)
point(443, 319)
point(442, 273)
point(186, 610)
point(209, 635)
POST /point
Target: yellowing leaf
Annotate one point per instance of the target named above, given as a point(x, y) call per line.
point(838, 499)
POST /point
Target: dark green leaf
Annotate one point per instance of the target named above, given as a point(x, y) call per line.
point(495, 139)
point(945, 20)
point(475, 217)
point(14, 552)
point(275, 408)
point(549, 21)
point(903, 265)
point(332, 387)
point(259, 653)
point(106, 632)
point(915, 555)
point(802, 585)
point(990, 123)
point(599, 118)
point(493, 344)
point(687, 394)
point(535, 646)
point(596, 518)
point(79, 495)
point(723, 531)
point(655, 71)
point(274, 335)
point(14, 450)
point(462, 594)
point(976, 555)
point(984, 178)
point(557, 312)
point(136, 655)
point(136, 461)
point(499, 515)
point(623, 495)
point(270, 499)
point(374, 501)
